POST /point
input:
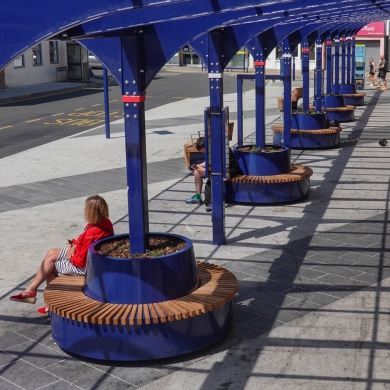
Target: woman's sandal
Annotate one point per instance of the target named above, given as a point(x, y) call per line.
point(43, 311)
point(25, 296)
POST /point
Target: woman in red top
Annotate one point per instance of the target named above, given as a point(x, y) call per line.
point(72, 259)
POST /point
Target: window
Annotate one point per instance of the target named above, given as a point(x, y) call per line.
point(37, 55)
point(19, 62)
point(53, 50)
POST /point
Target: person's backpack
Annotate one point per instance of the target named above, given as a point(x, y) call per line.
point(207, 193)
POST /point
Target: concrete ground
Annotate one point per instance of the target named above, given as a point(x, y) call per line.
point(312, 310)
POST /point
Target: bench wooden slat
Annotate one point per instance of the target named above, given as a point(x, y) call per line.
point(216, 287)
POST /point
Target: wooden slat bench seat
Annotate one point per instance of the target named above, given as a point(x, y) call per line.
point(351, 95)
point(299, 172)
point(64, 296)
point(345, 108)
point(278, 128)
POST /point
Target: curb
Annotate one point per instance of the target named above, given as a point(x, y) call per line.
point(52, 92)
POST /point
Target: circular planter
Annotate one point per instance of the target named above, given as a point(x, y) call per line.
point(332, 101)
point(142, 342)
point(310, 140)
point(263, 164)
point(143, 280)
point(315, 121)
point(347, 89)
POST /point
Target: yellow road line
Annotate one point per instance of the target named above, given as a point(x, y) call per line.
point(113, 100)
point(5, 127)
point(61, 113)
point(94, 105)
point(33, 120)
point(78, 109)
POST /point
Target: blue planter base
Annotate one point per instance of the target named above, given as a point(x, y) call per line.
point(341, 116)
point(310, 141)
point(354, 100)
point(265, 193)
point(142, 342)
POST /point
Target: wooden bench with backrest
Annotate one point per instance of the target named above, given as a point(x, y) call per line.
point(296, 94)
point(191, 154)
point(216, 287)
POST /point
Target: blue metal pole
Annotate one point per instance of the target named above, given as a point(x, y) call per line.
point(218, 136)
point(287, 94)
point(336, 65)
point(318, 86)
point(349, 60)
point(343, 55)
point(305, 74)
point(240, 114)
point(260, 90)
point(329, 72)
point(353, 59)
point(106, 102)
point(133, 89)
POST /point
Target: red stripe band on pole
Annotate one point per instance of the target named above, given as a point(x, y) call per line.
point(259, 63)
point(343, 39)
point(133, 98)
point(305, 50)
point(328, 42)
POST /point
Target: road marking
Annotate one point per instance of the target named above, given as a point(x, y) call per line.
point(61, 113)
point(33, 120)
point(94, 105)
point(76, 122)
point(181, 97)
point(113, 100)
point(5, 127)
point(78, 109)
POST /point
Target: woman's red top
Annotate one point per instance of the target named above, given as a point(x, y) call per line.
point(92, 233)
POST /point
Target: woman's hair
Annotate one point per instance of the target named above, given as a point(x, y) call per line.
point(371, 59)
point(96, 209)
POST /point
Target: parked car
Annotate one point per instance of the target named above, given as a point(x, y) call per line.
point(94, 62)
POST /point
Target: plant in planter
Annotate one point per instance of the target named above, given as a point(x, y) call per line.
point(256, 161)
point(309, 120)
point(333, 100)
point(115, 275)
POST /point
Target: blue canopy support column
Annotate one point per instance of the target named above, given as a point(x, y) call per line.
point(318, 76)
point(133, 88)
point(353, 47)
point(343, 57)
point(287, 93)
point(259, 62)
point(217, 128)
point(305, 73)
point(349, 60)
point(329, 70)
point(336, 65)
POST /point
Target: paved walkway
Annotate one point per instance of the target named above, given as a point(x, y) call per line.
point(312, 308)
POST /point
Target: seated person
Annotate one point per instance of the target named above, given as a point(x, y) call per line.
point(199, 174)
point(71, 260)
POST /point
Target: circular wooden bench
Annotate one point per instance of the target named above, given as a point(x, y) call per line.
point(278, 128)
point(355, 99)
point(298, 172)
point(64, 296)
point(309, 139)
point(341, 109)
point(284, 187)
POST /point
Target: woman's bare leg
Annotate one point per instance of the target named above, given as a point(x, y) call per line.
point(46, 271)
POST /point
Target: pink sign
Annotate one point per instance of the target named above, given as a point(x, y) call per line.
point(372, 29)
